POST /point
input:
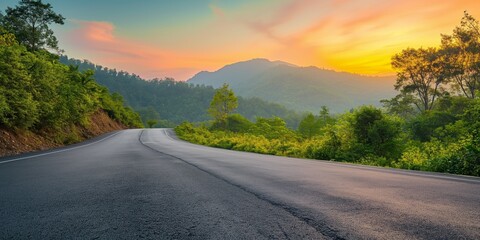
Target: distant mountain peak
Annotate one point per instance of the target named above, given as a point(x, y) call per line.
point(261, 61)
point(284, 63)
point(299, 88)
point(257, 60)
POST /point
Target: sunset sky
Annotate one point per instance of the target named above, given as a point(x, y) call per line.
point(177, 39)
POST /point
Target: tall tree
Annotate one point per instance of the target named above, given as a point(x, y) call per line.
point(420, 73)
point(461, 52)
point(30, 21)
point(223, 103)
point(324, 118)
point(308, 127)
point(324, 113)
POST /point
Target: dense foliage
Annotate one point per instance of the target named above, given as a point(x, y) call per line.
point(432, 125)
point(41, 96)
point(366, 136)
point(38, 92)
point(171, 102)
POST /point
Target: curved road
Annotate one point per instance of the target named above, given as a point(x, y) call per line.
point(148, 184)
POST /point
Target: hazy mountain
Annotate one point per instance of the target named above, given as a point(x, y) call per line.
point(299, 88)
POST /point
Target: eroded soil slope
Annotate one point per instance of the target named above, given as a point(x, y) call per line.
point(18, 141)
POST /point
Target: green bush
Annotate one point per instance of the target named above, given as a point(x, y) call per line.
point(424, 125)
point(413, 158)
point(375, 133)
point(238, 123)
point(366, 136)
point(374, 160)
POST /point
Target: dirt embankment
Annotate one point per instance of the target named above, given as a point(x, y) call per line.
point(20, 141)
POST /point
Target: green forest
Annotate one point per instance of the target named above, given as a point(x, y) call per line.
point(431, 125)
point(37, 92)
point(168, 102)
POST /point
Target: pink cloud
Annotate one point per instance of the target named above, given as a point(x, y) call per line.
point(217, 11)
point(280, 16)
point(98, 31)
point(99, 42)
point(346, 35)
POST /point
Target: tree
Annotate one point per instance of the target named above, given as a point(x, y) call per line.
point(308, 127)
point(400, 105)
point(223, 103)
point(30, 21)
point(461, 52)
point(324, 118)
point(324, 113)
point(151, 123)
point(364, 120)
point(376, 131)
point(420, 73)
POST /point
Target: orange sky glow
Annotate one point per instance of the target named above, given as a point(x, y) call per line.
point(355, 36)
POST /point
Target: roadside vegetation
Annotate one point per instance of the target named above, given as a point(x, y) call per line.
point(432, 124)
point(37, 92)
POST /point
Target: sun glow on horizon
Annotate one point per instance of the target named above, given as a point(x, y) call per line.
point(344, 35)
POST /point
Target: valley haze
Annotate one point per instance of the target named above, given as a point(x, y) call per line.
point(299, 88)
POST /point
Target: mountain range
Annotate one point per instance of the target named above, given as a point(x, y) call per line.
point(299, 88)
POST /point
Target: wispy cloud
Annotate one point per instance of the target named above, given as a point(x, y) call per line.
point(217, 11)
point(280, 16)
point(100, 41)
point(348, 35)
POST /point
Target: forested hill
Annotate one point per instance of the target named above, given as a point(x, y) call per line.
point(44, 103)
point(170, 102)
point(300, 88)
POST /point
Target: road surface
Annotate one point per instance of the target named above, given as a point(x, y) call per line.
point(137, 184)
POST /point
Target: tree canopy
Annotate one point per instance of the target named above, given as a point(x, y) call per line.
point(29, 22)
point(223, 103)
point(420, 74)
point(462, 56)
point(426, 74)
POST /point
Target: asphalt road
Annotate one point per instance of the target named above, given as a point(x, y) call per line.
point(138, 184)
